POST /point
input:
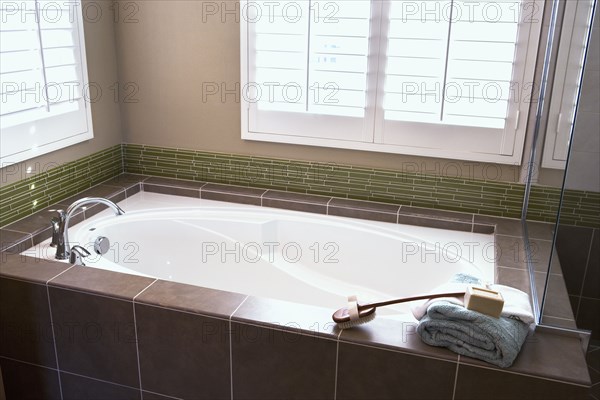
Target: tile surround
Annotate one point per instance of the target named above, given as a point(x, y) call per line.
point(252, 314)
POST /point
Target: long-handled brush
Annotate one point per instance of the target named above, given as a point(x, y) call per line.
point(478, 299)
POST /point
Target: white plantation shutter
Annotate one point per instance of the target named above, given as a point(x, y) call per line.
point(567, 81)
point(43, 77)
point(308, 67)
point(443, 78)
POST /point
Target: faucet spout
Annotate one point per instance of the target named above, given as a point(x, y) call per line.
point(62, 248)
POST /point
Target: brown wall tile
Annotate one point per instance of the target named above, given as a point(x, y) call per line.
point(95, 336)
point(183, 354)
point(29, 382)
point(272, 364)
point(26, 332)
point(366, 373)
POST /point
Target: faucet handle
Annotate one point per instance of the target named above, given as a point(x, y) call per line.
point(77, 255)
point(55, 224)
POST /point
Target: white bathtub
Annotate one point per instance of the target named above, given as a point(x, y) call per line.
point(286, 255)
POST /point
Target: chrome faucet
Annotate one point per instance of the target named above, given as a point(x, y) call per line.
point(61, 228)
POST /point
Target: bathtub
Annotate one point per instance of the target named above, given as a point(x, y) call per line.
point(287, 255)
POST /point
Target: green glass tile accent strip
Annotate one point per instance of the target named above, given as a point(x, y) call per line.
point(345, 181)
point(579, 207)
point(43, 189)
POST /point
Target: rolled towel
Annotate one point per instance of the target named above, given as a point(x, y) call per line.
point(516, 302)
point(494, 340)
point(447, 323)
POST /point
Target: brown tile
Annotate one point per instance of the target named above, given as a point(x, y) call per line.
point(26, 333)
point(572, 246)
point(34, 223)
point(182, 354)
point(559, 322)
point(9, 239)
point(130, 191)
point(435, 223)
point(587, 317)
point(103, 282)
point(233, 194)
point(126, 180)
point(591, 285)
point(396, 335)
point(514, 277)
point(540, 251)
point(485, 229)
point(436, 214)
point(556, 301)
point(78, 387)
point(296, 201)
point(593, 359)
point(287, 315)
point(95, 336)
point(273, 364)
point(510, 252)
point(101, 190)
point(546, 355)
point(367, 373)
point(178, 183)
point(32, 269)
point(175, 187)
point(363, 210)
point(156, 396)
point(191, 298)
point(540, 230)
point(29, 382)
point(481, 383)
point(503, 226)
point(175, 191)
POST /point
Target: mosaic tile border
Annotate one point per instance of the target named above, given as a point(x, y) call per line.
point(34, 193)
point(579, 208)
point(501, 199)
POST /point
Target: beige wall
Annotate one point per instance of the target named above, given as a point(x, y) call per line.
point(169, 52)
point(102, 71)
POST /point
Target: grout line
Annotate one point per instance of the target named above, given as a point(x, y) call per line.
point(238, 307)
point(100, 380)
point(220, 318)
point(161, 394)
point(90, 293)
point(54, 277)
point(397, 350)
point(54, 340)
point(231, 348)
point(143, 290)
point(137, 349)
point(523, 374)
point(327, 206)
point(587, 263)
point(473, 223)
point(337, 358)
point(455, 378)
point(29, 363)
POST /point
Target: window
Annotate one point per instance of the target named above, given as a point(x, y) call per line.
point(442, 78)
point(567, 81)
point(43, 78)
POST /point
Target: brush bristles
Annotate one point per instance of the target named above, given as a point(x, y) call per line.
point(356, 322)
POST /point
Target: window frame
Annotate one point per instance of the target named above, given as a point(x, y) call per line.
point(58, 131)
point(510, 146)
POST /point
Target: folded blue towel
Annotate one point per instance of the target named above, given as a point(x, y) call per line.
point(470, 333)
